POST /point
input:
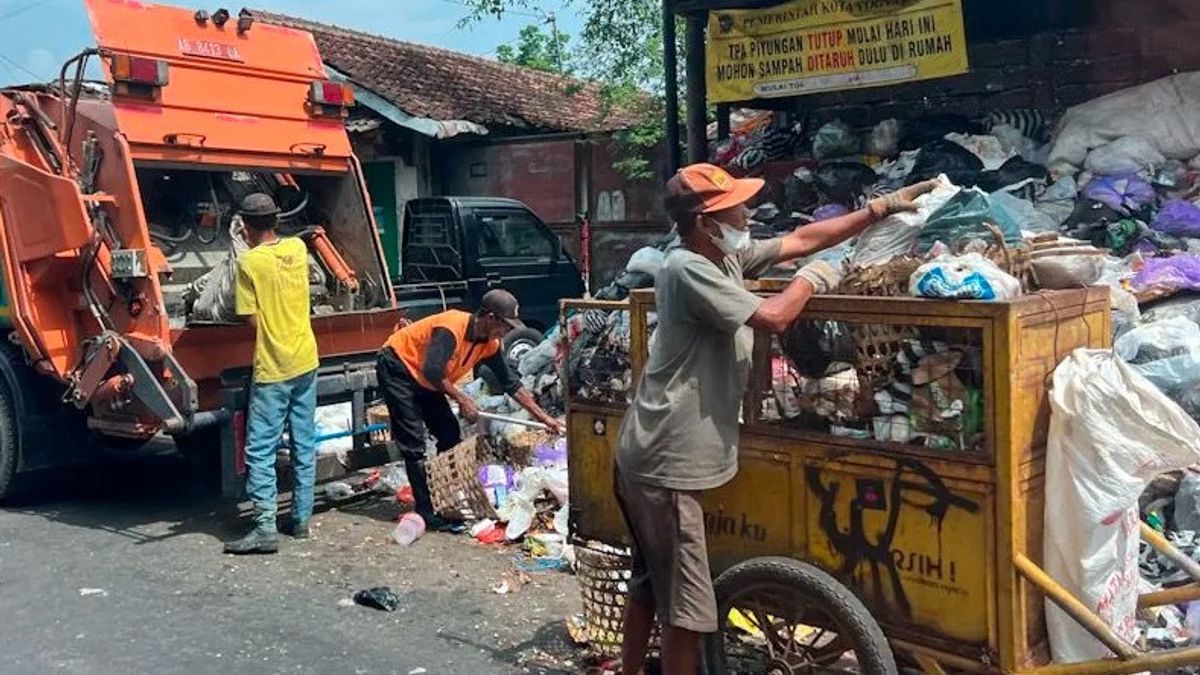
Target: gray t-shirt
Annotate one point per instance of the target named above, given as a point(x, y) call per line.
point(681, 432)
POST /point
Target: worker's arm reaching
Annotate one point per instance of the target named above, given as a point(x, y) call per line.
point(511, 385)
point(437, 356)
point(819, 236)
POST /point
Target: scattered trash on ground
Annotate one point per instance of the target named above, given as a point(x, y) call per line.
point(512, 581)
point(380, 597)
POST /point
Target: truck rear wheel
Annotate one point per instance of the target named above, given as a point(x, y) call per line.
point(9, 445)
point(782, 616)
point(518, 343)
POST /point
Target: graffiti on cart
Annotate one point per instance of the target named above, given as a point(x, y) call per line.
point(912, 486)
point(721, 524)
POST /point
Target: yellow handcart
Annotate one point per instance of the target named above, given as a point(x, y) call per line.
point(890, 497)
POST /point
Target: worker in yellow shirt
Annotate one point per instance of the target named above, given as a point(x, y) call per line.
point(272, 293)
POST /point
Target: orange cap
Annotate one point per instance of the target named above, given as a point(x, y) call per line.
point(704, 188)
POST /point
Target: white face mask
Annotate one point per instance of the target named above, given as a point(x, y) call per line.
point(732, 240)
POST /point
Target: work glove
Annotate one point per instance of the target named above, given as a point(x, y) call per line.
point(900, 201)
point(823, 276)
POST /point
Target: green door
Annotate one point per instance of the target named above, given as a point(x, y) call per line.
point(381, 183)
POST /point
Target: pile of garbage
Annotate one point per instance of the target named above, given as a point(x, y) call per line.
point(1109, 196)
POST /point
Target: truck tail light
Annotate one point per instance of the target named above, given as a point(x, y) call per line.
point(330, 99)
point(331, 93)
point(139, 71)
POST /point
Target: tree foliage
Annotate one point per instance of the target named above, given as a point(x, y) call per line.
point(543, 50)
point(620, 47)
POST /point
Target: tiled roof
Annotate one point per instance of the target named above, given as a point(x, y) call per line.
point(444, 85)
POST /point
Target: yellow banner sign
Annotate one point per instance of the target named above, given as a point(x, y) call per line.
point(810, 46)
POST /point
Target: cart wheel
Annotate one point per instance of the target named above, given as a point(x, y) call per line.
point(782, 616)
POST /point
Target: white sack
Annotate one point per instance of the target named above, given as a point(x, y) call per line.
point(1111, 433)
point(1124, 156)
point(1165, 112)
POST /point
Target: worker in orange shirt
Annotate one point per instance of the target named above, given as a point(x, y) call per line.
point(419, 367)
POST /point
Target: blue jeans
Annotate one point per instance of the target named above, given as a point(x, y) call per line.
point(293, 401)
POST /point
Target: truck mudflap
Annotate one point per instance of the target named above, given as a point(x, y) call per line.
point(339, 380)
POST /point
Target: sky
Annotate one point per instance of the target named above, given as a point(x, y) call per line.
point(37, 36)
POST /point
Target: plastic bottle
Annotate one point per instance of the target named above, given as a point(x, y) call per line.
point(409, 529)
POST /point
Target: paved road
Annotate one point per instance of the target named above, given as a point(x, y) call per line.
point(124, 573)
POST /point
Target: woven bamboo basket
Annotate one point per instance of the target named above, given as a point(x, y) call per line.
point(879, 345)
point(378, 414)
point(517, 450)
point(454, 485)
point(604, 574)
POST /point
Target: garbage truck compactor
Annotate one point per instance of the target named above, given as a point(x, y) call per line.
point(119, 231)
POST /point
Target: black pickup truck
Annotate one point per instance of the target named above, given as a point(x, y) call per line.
point(454, 249)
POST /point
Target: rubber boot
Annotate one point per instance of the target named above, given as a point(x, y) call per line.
point(262, 539)
point(258, 541)
point(297, 530)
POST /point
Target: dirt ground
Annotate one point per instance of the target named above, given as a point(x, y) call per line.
point(124, 573)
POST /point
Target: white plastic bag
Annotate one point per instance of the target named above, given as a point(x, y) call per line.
point(215, 289)
point(1012, 140)
point(895, 235)
point(885, 139)
point(1177, 340)
point(1111, 433)
point(988, 149)
point(964, 277)
point(334, 419)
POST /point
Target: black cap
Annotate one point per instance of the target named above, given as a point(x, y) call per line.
point(502, 303)
point(259, 204)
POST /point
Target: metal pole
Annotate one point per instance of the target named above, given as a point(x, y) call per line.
point(697, 97)
point(671, 83)
point(723, 110)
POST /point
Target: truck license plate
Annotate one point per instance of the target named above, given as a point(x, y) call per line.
point(210, 50)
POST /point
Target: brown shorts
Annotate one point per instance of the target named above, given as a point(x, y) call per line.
point(670, 555)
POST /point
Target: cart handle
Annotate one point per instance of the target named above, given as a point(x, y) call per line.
point(1072, 606)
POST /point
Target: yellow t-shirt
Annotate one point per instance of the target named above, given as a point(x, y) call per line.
point(272, 284)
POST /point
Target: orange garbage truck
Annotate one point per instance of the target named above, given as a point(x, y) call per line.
point(119, 231)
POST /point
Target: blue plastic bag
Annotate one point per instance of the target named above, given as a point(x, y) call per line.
point(966, 277)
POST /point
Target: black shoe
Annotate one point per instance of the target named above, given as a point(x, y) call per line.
point(258, 541)
point(439, 524)
point(297, 530)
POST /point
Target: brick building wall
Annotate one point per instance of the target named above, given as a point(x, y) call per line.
point(1048, 55)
